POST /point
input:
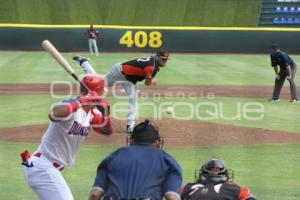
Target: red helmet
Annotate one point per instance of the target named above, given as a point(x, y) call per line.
point(94, 83)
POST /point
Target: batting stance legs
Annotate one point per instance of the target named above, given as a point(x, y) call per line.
point(46, 180)
point(115, 75)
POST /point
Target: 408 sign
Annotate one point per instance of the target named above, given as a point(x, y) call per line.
point(141, 39)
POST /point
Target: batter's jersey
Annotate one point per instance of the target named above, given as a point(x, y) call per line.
point(62, 140)
point(221, 191)
point(139, 171)
point(140, 69)
point(282, 59)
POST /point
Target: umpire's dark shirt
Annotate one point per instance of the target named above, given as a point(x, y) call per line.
point(282, 59)
point(138, 171)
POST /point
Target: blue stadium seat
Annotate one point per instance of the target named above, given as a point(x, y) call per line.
point(290, 20)
point(285, 9)
point(297, 21)
point(298, 10)
point(276, 20)
point(278, 9)
point(283, 20)
point(292, 10)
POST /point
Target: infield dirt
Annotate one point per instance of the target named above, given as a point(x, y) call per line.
point(176, 133)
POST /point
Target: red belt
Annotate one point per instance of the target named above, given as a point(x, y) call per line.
point(55, 164)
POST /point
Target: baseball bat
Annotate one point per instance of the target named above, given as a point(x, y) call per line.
point(50, 48)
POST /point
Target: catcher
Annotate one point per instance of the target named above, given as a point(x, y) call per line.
point(213, 183)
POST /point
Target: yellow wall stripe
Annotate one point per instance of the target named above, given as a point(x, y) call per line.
point(153, 27)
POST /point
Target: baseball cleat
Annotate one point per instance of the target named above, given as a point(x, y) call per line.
point(294, 101)
point(274, 100)
point(80, 59)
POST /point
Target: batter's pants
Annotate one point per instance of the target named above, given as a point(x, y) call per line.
point(46, 180)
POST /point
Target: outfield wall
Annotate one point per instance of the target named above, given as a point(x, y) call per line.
point(146, 39)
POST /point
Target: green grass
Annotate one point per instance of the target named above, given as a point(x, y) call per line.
point(182, 69)
point(268, 170)
point(132, 12)
point(281, 116)
point(25, 110)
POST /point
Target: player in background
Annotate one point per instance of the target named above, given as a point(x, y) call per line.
point(70, 123)
point(131, 72)
point(92, 35)
point(287, 70)
point(140, 171)
point(213, 183)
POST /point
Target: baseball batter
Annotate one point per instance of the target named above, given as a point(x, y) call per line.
point(70, 123)
point(129, 73)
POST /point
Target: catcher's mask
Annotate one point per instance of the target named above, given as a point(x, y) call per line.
point(145, 133)
point(94, 83)
point(213, 171)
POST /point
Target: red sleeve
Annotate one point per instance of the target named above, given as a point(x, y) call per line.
point(245, 194)
point(102, 125)
point(149, 71)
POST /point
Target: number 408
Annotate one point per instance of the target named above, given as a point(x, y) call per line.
point(140, 39)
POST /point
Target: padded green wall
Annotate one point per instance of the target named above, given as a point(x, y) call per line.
point(132, 12)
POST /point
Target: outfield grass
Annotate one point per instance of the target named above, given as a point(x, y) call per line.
point(26, 110)
point(182, 69)
point(268, 170)
point(132, 12)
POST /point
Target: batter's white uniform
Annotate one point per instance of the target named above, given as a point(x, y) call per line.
point(58, 149)
point(115, 75)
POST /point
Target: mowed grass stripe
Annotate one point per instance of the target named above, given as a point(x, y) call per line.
point(132, 12)
point(281, 116)
point(260, 167)
point(185, 69)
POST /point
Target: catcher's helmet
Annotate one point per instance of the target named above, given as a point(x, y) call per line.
point(213, 171)
point(94, 83)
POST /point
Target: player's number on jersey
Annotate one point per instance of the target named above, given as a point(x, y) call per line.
point(144, 59)
point(141, 39)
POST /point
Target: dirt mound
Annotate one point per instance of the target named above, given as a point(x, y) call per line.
point(162, 90)
point(176, 133)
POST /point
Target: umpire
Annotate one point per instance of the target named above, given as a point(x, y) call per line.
point(141, 171)
point(287, 71)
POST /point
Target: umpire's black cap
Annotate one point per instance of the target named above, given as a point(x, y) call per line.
point(145, 132)
point(274, 47)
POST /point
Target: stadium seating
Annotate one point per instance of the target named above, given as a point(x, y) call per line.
point(287, 9)
point(297, 20)
point(280, 13)
point(288, 1)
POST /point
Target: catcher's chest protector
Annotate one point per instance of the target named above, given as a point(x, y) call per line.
point(213, 192)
